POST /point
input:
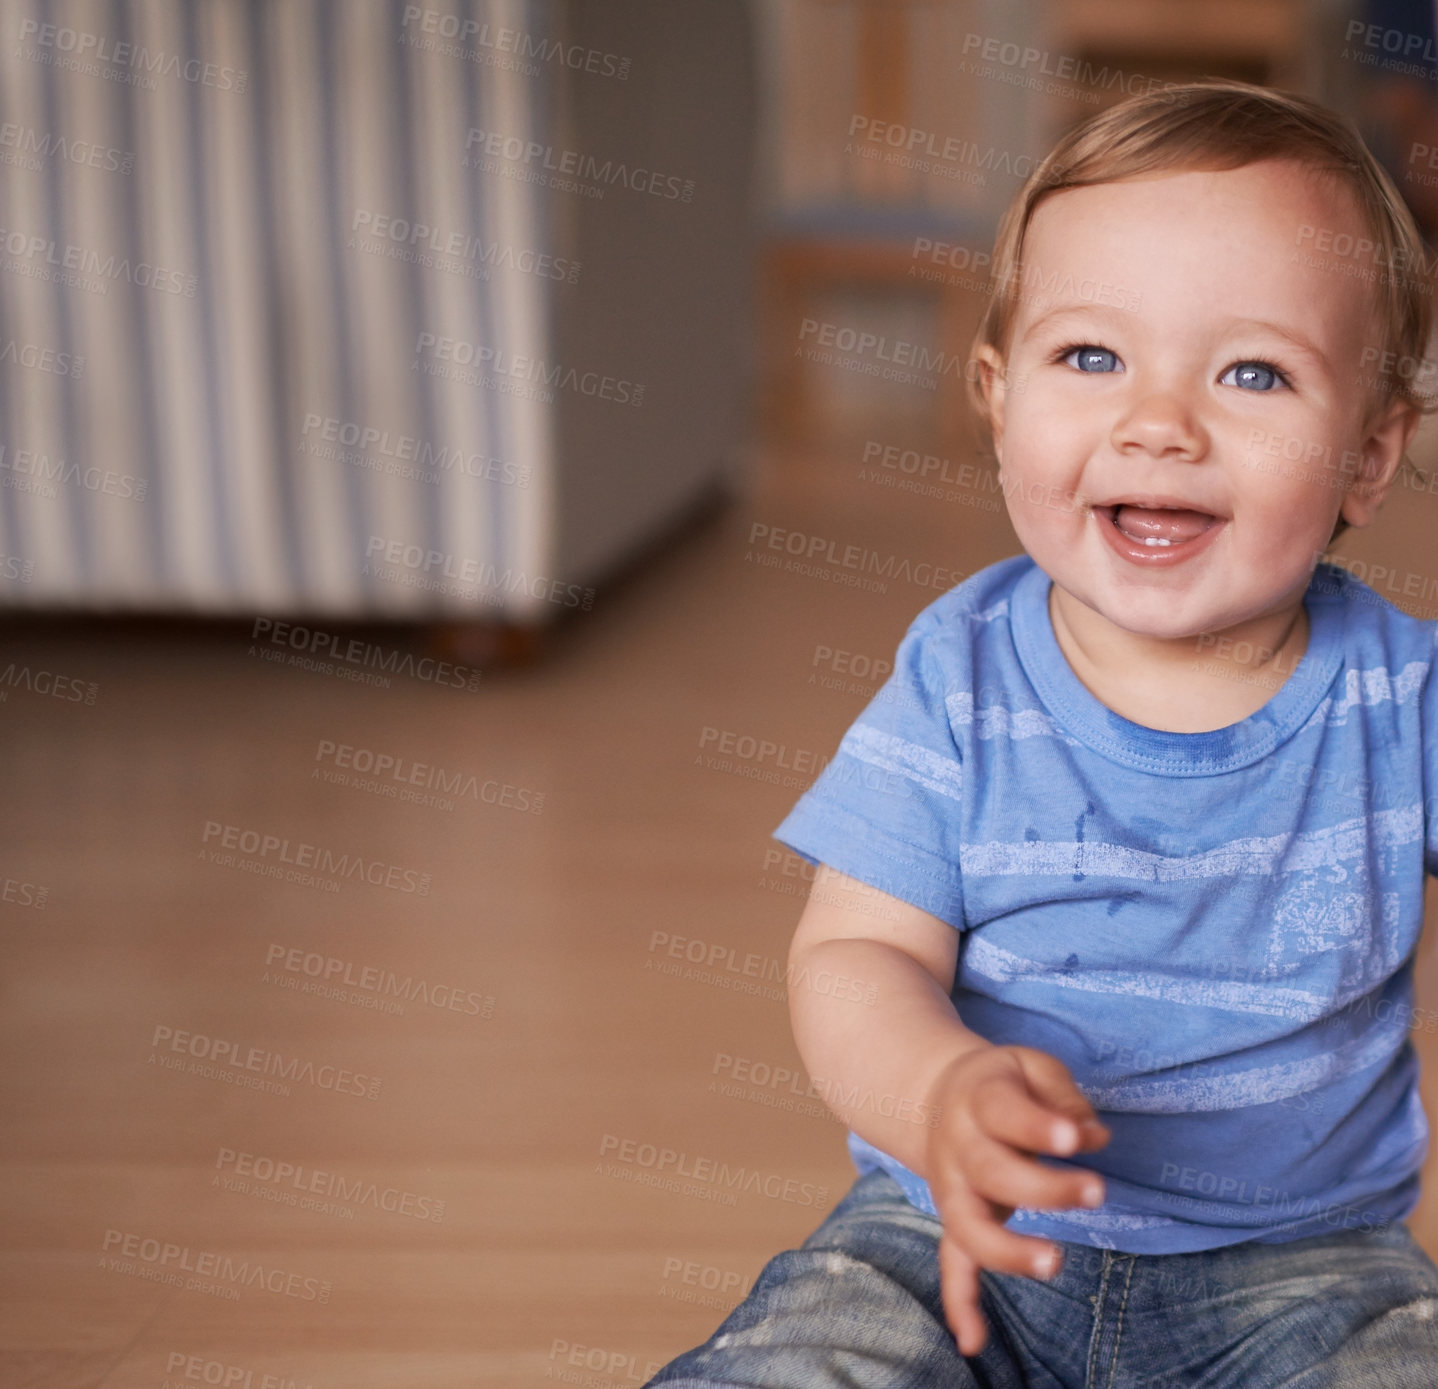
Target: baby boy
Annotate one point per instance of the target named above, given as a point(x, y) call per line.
point(1143, 967)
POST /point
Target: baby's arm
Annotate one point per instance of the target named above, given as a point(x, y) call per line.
point(994, 1104)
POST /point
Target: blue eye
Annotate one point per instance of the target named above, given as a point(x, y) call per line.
point(1093, 359)
point(1251, 376)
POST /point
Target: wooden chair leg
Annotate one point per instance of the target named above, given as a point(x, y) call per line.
point(486, 645)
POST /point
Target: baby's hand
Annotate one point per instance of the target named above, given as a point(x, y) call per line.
point(996, 1104)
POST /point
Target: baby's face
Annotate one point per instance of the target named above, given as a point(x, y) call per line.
point(1178, 353)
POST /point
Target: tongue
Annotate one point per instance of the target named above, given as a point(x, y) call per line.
point(1163, 523)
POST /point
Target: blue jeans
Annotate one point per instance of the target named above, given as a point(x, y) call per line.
point(858, 1306)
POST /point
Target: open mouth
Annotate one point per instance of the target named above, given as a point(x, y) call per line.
point(1155, 536)
point(1157, 527)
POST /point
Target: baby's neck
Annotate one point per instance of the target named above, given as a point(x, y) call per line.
point(1173, 686)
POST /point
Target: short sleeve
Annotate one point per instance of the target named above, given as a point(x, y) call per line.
point(1428, 705)
point(886, 809)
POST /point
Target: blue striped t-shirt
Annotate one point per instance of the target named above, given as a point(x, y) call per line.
point(1213, 931)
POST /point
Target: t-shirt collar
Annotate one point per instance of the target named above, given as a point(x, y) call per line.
point(1087, 718)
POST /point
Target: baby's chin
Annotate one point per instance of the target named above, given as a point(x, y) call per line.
point(1154, 614)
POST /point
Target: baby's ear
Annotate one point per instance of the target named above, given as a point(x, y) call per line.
point(988, 363)
point(1389, 433)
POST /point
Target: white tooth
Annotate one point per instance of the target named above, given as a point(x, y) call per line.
point(1156, 540)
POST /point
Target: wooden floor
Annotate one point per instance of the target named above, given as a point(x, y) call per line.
point(475, 1221)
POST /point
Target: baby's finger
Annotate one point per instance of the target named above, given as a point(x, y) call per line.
point(971, 1223)
point(1052, 1087)
point(1004, 1109)
point(990, 1245)
point(999, 1173)
point(959, 1285)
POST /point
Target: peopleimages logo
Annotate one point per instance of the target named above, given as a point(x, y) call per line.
point(226, 1054)
point(39, 470)
point(70, 689)
point(493, 46)
point(400, 236)
point(478, 578)
point(572, 166)
point(661, 1161)
point(478, 363)
point(896, 351)
point(37, 358)
point(301, 855)
point(197, 1370)
point(39, 146)
point(62, 46)
point(411, 781)
point(402, 455)
point(318, 648)
point(315, 1189)
point(49, 254)
point(329, 973)
point(175, 1259)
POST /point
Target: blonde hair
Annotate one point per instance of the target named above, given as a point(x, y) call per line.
point(1215, 125)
